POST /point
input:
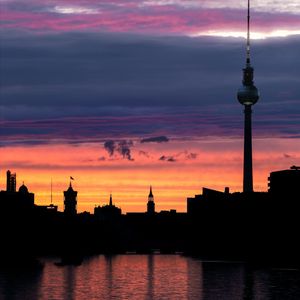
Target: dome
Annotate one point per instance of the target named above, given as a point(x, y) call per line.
point(23, 189)
point(248, 95)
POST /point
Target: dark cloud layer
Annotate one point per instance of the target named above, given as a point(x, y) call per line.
point(92, 86)
point(103, 70)
point(157, 139)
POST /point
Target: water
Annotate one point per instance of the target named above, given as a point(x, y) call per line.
point(151, 277)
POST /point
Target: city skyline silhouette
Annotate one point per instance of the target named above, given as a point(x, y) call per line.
point(208, 229)
point(152, 155)
point(133, 162)
point(120, 111)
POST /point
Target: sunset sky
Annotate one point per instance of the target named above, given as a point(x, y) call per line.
point(122, 95)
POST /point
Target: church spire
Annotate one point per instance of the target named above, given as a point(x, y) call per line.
point(151, 204)
point(110, 200)
point(150, 193)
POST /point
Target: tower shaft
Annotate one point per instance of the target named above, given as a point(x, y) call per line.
point(248, 172)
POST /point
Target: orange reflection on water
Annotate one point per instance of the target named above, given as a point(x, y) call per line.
point(122, 277)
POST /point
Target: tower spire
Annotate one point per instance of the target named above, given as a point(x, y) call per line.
point(110, 200)
point(51, 191)
point(150, 204)
point(248, 35)
point(150, 193)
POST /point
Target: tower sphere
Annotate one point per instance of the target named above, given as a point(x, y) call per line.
point(248, 94)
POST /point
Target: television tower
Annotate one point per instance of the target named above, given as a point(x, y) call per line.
point(248, 95)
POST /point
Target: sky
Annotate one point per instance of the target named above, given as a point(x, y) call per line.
point(122, 95)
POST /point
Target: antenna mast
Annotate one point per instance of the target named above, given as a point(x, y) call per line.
point(248, 34)
point(51, 191)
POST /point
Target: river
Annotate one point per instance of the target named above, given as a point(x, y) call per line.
point(150, 277)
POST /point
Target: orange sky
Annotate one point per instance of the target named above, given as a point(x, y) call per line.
point(216, 163)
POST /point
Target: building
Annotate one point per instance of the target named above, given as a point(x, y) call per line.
point(12, 201)
point(70, 201)
point(107, 212)
point(11, 181)
point(150, 204)
point(208, 199)
point(46, 209)
point(285, 184)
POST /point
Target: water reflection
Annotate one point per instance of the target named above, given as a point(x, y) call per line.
point(151, 277)
point(222, 281)
point(15, 285)
point(194, 280)
point(109, 275)
point(69, 282)
point(248, 284)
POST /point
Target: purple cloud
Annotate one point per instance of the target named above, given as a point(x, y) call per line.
point(150, 17)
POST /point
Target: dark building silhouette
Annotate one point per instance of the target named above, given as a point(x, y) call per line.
point(208, 197)
point(248, 95)
point(106, 212)
point(25, 197)
point(151, 204)
point(285, 184)
point(49, 209)
point(70, 201)
point(12, 201)
point(257, 226)
point(11, 181)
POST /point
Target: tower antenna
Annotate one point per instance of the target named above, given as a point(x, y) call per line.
point(51, 191)
point(248, 34)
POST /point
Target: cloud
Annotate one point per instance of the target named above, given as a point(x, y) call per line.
point(167, 158)
point(293, 6)
point(121, 147)
point(184, 155)
point(74, 10)
point(191, 155)
point(124, 149)
point(157, 139)
point(162, 17)
point(144, 153)
point(69, 87)
point(110, 147)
